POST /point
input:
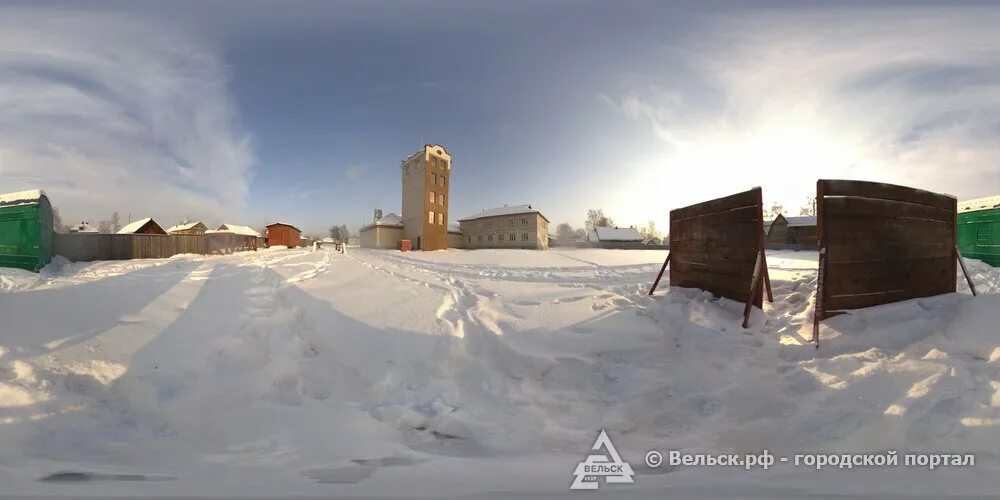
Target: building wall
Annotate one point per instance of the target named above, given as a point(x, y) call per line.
point(381, 236)
point(802, 235)
point(530, 230)
point(425, 220)
point(456, 240)
point(778, 232)
point(282, 235)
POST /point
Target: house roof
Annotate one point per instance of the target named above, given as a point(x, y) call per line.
point(186, 226)
point(805, 220)
point(83, 227)
point(979, 204)
point(392, 219)
point(424, 149)
point(236, 229)
point(618, 234)
point(505, 210)
point(284, 224)
point(21, 197)
point(135, 226)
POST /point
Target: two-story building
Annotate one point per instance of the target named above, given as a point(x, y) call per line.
point(510, 226)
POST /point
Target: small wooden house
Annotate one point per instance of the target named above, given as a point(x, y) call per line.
point(188, 228)
point(791, 230)
point(279, 234)
point(238, 229)
point(143, 226)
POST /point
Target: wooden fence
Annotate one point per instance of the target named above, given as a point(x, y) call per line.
point(881, 243)
point(718, 246)
point(86, 247)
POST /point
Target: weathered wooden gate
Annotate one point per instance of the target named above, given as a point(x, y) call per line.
point(718, 246)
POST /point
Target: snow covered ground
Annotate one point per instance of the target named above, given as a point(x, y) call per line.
point(476, 374)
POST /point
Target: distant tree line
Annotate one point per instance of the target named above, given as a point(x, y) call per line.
point(567, 235)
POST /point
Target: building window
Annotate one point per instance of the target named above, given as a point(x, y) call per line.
point(440, 199)
point(441, 180)
point(430, 216)
point(445, 164)
point(430, 195)
point(434, 178)
point(489, 224)
point(489, 237)
point(524, 236)
point(512, 237)
point(524, 221)
point(480, 237)
point(440, 217)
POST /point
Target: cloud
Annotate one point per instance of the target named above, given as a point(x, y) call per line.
point(354, 173)
point(779, 98)
point(112, 112)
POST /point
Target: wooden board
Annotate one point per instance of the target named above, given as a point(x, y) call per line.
point(714, 246)
point(883, 243)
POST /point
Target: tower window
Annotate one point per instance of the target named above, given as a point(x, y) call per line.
point(430, 216)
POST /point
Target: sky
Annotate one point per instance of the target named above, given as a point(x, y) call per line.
point(253, 112)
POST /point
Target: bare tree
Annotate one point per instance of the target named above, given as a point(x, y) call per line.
point(810, 207)
point(340, 233)
point(650, 232)
point(776, 210)
point(565, 234)
point(596, 218)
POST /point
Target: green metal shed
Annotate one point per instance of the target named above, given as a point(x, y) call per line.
point(979, 229)
point(25, 230)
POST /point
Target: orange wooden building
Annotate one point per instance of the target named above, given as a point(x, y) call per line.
point(280, 233)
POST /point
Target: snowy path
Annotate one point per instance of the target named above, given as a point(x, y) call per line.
point(451, 373)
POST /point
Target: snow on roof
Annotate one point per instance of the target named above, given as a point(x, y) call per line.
point(184, 226)
point(392, 219)
point(504, 210)
point(618, 234)
point(284, 224)
point(21, 197)
point(135, 226)
point(980, 204)
point(83, 227)
point(806, 220)
point(238, 229)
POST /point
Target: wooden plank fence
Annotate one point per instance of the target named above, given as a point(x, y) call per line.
point(718, 246)
point(79, 247)
point(881, 243)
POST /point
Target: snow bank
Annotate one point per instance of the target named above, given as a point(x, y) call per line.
point(373, 373)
